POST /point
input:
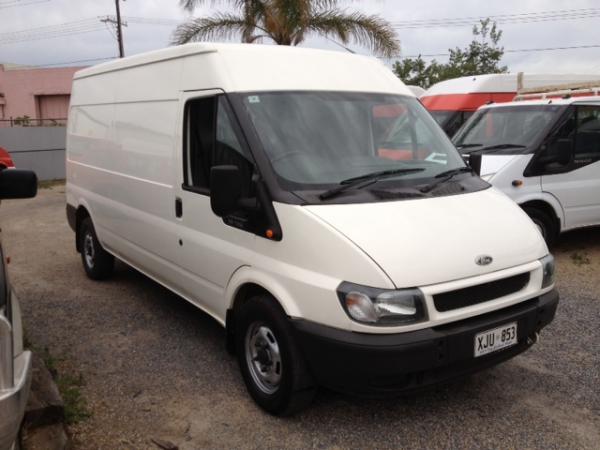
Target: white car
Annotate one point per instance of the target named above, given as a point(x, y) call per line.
point(544, 154)
point(308, 202)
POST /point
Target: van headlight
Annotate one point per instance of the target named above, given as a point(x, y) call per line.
point(382, 306)
point(548, 270)
point(487, 176)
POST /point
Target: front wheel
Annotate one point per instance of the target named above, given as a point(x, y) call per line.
point(272, 366)
point(545, 224)
point(97, 262)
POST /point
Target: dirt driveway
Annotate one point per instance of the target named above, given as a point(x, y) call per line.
point(156, 368)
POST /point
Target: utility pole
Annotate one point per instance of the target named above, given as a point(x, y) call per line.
point(115, 21)
point(119, 30)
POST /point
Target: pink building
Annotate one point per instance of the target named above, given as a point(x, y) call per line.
point(36, 93)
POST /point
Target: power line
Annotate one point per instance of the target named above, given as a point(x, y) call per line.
point(73, 62)
point(516, 50)
point(522, 18)
point(16, 3)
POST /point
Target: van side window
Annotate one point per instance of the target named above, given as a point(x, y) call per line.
point(587, 137)
point(211, 140)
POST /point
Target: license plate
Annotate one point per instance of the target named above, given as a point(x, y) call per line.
point(497, 339)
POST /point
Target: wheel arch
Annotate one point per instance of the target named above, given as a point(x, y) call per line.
point(546, 207)
point(245, 283)
point(80, 215)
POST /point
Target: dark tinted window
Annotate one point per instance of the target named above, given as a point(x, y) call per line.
point(212, 140)
point(587, 138)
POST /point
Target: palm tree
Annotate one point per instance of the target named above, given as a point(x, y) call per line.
point(288, 22)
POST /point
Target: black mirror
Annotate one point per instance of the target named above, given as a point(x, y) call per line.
point(225, 189)
point(17, 183)
point(559, 152)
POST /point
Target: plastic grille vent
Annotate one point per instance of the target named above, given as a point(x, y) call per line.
point(461, 298)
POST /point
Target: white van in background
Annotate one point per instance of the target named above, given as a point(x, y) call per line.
point(308, 202)
point(453, 101)
point(543, 151)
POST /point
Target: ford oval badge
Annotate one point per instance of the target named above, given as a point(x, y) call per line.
point(483, 260)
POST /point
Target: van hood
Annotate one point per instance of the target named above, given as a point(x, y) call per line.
point(435, 240)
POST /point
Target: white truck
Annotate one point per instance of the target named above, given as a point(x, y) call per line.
point(308, 202)
point(543, 151)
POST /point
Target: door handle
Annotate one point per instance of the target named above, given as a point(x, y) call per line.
point(178, 207)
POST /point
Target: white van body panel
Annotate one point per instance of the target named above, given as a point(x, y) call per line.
point(246, 67)
point(420, 227)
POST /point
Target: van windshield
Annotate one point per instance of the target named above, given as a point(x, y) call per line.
point(315, 140)
point(508, 128)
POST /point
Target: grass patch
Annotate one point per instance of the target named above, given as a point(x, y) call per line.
point(76, 409)
point(69, 385)
point(580, 259)
point(49, 184)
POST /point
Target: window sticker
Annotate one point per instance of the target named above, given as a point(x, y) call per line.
point(253, 99)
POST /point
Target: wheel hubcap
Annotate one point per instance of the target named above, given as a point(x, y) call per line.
point(88, 250)
point(263, 357)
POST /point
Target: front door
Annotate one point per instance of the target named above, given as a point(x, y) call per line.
point(577, 186)
point(210, 250)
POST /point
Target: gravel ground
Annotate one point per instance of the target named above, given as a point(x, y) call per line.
point(156, 368)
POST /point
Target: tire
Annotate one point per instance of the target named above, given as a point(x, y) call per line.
point(545, 223)
point(264, 340)
point(97, 262)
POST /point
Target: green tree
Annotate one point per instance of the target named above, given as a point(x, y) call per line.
point(481, 56)
point(289, 22)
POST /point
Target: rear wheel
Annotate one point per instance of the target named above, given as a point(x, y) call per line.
point(97, 262)
point(545, 223)
point(272, 366)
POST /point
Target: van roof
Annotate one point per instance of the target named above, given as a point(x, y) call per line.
point(549, 101)
point(255, 67)
point(502, 82)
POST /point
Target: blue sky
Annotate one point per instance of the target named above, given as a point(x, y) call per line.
point(17, 15)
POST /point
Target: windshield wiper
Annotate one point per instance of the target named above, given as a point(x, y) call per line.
point(443, 177)
point(468, 146)
point(502, 146)
point(366, 180)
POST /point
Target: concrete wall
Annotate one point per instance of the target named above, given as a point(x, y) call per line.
point(41, 149)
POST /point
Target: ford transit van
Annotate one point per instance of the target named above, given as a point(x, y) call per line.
point(543, 151)
point(453, 101)
point(308, 202)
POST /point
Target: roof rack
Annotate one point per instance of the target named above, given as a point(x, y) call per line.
point(560, 91)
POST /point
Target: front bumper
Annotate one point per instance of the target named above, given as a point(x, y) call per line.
point(13, 401)
point(380, 364)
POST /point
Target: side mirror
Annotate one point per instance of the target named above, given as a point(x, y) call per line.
point(559, 152)
point(17, 183)
point(225, 189)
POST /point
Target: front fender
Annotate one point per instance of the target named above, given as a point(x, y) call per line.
point(545, 197)
point(250, 275)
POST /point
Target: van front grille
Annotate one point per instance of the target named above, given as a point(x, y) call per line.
point(480, 293)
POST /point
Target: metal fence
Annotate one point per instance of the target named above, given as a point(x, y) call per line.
point(27, 121)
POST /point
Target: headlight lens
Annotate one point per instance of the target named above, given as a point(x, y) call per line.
point(548, 270)
point(381, 306)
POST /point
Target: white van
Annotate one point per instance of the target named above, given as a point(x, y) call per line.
point(452, 102)
point(543, 151)
point(308, 202)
